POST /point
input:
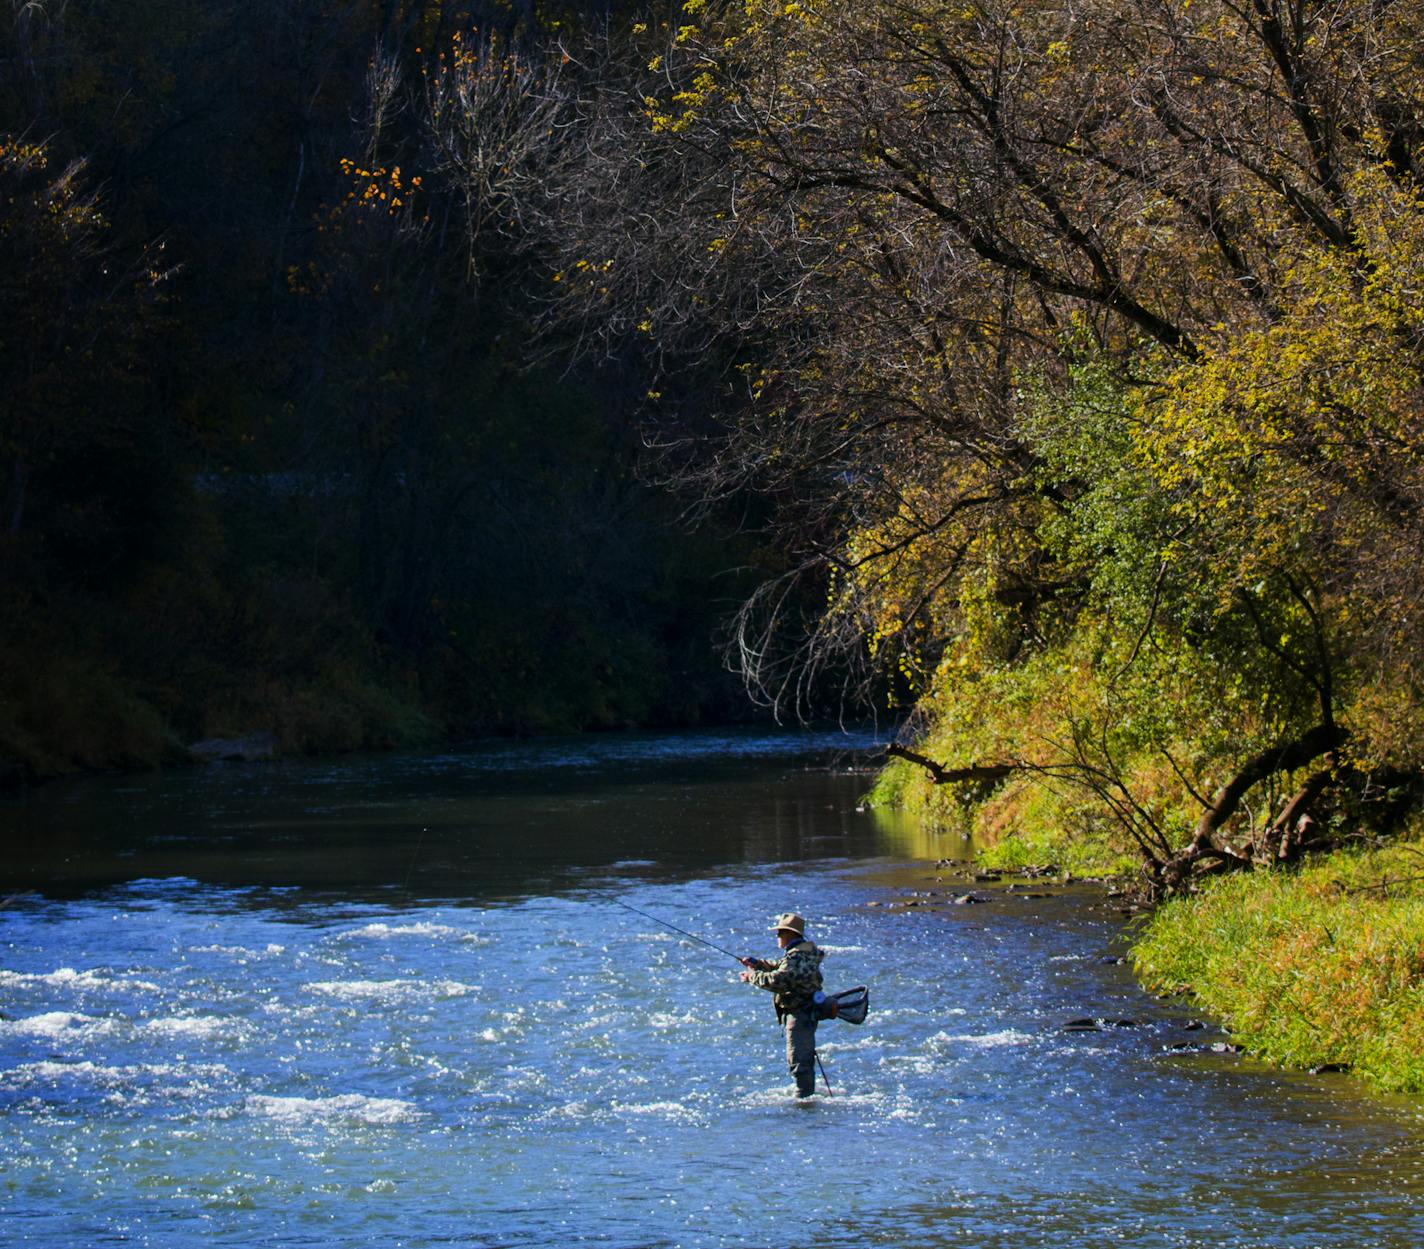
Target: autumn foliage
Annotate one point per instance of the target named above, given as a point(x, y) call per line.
point(1080, 348)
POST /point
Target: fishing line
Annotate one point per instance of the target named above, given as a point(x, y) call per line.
point(414, 855)
point(691, 936)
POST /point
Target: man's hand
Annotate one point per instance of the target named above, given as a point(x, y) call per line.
point(746, 976)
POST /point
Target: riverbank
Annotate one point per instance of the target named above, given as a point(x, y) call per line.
point(1316, 968)
point(1319, 969)
point(1016, 824)
point(71, 712)
point(74, 706)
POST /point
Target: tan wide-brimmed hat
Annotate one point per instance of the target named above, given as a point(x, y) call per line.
point(789, 922)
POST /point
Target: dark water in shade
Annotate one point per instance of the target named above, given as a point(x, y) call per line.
point(393, 1002)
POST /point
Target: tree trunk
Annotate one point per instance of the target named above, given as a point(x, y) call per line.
point(19, 476)
point(1288, 831)
point(1177, 873)
point(1283, 757)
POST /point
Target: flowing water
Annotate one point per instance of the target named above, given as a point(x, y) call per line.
point(395, 1002)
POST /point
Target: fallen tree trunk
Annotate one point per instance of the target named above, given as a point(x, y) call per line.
point(1290, 830)
point(1207, 853)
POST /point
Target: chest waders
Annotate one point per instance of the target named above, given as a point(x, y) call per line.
point(800, 1028)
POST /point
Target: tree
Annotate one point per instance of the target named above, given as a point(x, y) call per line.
point(895, 226)
point(73, 310)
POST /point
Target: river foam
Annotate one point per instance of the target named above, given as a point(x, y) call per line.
point(341, 1108)
point(943, 1041)
point(68, 979)
point(58, 1025)
point(198, 1028)
point(384, 932)
point(390, 991)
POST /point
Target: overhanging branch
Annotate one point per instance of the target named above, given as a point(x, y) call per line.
point(941, 775)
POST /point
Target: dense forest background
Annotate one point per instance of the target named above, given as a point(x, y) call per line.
point(280, 449)
point(1092, 339)
point(1052, 372)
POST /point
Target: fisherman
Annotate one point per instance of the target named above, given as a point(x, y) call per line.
point(793, 980)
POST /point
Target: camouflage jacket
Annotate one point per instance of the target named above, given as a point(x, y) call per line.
point(793, 978)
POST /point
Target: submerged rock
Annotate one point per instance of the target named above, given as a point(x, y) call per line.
point(1097, 1025)
point(235, 749)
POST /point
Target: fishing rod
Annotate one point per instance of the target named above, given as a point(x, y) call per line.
point(691, 936)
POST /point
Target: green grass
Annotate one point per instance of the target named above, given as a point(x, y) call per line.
point(1073, 856)
point(1322, 965)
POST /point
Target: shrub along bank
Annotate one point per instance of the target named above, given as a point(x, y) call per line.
point(1317, 966)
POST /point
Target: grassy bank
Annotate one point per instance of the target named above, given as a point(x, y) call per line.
point(65, 712)
point(68, 710)
point(1319, 967)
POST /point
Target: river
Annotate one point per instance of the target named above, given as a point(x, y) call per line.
point(394, 1002)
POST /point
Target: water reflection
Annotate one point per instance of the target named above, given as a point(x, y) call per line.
point(496, 820)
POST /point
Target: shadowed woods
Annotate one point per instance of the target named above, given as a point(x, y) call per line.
point(279, 454)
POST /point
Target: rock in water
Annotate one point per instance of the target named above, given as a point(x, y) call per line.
point(235, 749)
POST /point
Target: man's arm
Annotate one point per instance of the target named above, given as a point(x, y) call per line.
point(773, 977)
point(761, 973)
point(798, 972)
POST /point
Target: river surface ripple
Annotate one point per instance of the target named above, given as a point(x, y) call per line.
point(456, 1035)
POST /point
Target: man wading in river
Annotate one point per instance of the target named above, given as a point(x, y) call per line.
point(793, 979)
